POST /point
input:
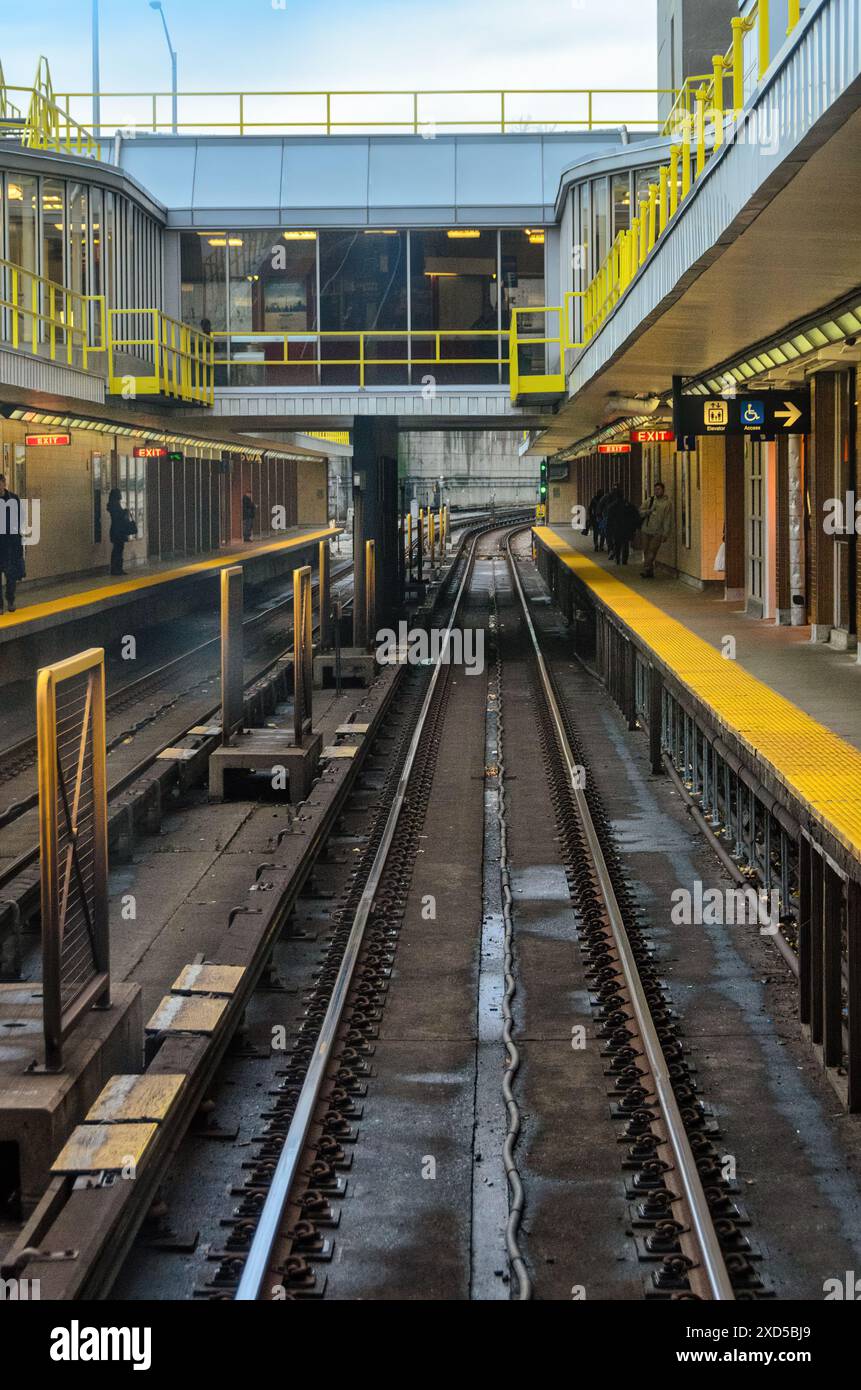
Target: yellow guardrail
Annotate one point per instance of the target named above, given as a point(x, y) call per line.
point(508, 109)
point(698, 122)
point(362, 357)
point(37, 117)
point(40, 316)
point(181, 358)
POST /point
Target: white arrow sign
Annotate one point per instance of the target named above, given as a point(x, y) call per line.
point(791, 414)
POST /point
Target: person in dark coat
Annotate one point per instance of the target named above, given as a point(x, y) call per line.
point(11, 544)
point(623, 524)
point(122, 529)
point(249, 511)
point(591, 511)
point(599, 527)
point(609, 511)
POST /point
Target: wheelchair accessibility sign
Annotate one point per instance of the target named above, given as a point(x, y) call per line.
point(753, 415)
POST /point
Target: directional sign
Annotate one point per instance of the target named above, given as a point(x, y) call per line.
point(763, 414)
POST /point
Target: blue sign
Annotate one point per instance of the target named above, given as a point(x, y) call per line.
point(753, 414)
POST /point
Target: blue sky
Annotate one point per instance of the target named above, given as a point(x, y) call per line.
point(338, 44)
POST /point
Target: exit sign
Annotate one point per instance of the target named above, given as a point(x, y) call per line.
point(149, 451)
point(652, 436)
point(614, 448)
point(45, 441)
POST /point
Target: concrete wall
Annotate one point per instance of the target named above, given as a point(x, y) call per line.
point(690, 32)
point(475, 464)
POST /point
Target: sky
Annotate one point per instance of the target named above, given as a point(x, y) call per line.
point(338, 44)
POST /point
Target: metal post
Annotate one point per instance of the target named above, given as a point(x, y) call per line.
point(360, 637)
point(739, 27)
point(97, 86)
point(336, 613)
point(853, 993)
point(324, 596)
point(805, 908)
point(797, 585)
point(370, 591)
point(302, 655)
point(420, 546)
point(832, 969)
point(816, 905)
point(763, 35)
point(232, 652)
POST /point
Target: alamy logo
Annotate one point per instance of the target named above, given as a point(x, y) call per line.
point(77, 1343)
point(415, 647)
point(22, 519)
point(726, 907)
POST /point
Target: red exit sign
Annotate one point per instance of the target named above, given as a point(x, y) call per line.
point(614, 448)
point(44, 441)
point(149, 451)
point(652, 436)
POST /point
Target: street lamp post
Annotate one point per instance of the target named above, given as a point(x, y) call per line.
point(157, 5)
point(97, 100)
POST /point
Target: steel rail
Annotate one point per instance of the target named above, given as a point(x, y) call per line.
point(712, 1256)
point(258, 1260)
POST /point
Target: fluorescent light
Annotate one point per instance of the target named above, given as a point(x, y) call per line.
point(463, 234)
point(379, 231)
point(300, 236)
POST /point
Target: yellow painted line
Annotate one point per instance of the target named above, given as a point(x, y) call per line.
point(821, 769)
point(86, 597)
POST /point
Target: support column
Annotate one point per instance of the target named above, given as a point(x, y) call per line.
point(797, 567)
point(375, 471)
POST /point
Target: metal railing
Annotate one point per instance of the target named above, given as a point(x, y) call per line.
point(38, 119)
point(698, 124)
point(412, 112)
point(181, 357)
point(272, 349)
point(45, 318)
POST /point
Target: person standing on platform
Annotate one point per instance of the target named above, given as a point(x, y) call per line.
point(656, 526)
point(249, 511)
point(122, 529)
point(625, 523)
point(11, 544)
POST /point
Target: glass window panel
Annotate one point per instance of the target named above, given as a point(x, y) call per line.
point(454, 286)
point(78, 230)
point(204, 284)
point(585, 230)
point(273, 290)
point(621, 203)
point(601, 220)
point(53, 225)
point(643, 178)
point(523, 288)
point(363, 288)
point(21, 193)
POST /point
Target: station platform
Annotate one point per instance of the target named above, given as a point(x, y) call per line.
point(795, 704)
point(55, 603)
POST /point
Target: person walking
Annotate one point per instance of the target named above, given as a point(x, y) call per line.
point(249, 511)
point(656, 526)
point(591, 513)
point(123, 527)
point(11, 544)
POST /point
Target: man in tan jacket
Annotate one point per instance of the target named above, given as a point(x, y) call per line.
point(656, 527)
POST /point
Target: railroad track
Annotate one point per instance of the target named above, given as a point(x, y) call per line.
point(102, 1239)
point(689, 1220)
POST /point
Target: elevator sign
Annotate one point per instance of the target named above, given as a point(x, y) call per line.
point(764, 415)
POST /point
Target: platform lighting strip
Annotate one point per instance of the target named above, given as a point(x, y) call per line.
point(35, 417)
point(588, 446)
point(780, 352)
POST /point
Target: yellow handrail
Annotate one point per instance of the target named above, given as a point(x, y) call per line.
point(418, 118)
point(43, 317)
point(47, 125)
point(698, 123)
point(181, 358)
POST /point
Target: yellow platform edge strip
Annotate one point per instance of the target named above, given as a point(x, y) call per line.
point(84, 598)
point(811, 760)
